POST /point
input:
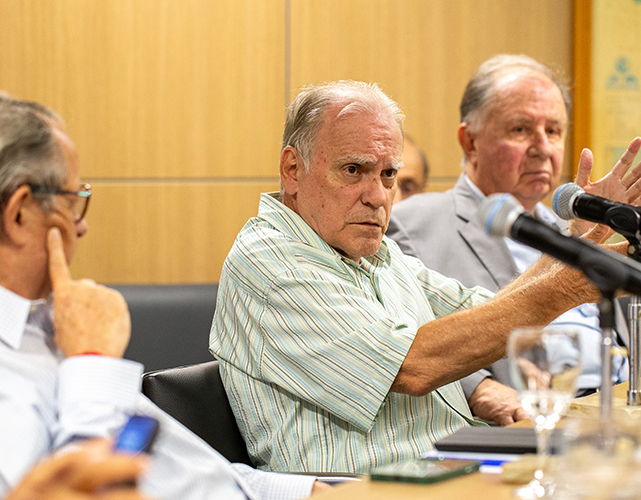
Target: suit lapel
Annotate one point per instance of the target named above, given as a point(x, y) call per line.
point(492, 253)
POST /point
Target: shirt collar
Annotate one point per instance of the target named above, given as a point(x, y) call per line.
point(473, 188)
point(16, 313)
point(540, 210)
point(284, 219)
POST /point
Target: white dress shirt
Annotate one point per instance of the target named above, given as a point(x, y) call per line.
point(47, 401)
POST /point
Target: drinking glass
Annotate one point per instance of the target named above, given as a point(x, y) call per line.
point(544, 365)
point(601, 460)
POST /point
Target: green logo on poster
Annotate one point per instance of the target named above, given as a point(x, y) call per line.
point(622, 78)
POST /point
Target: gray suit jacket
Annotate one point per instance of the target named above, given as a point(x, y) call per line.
point(442, 230)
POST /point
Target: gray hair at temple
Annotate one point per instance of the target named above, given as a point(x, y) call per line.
point(29, 153)
point(480, 91)
point(305, 114)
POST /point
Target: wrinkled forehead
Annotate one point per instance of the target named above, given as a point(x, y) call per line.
point(353, 115)
point(518, 86)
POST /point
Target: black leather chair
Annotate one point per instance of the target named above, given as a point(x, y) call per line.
point(194, 395)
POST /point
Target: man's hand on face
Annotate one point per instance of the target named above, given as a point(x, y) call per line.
point(496, 402)
point(618, 185)
point(88, 318)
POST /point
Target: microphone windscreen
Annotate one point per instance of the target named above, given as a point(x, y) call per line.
point(563, 199)
point(498, 212)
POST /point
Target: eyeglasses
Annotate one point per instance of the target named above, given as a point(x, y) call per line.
point(80, 203)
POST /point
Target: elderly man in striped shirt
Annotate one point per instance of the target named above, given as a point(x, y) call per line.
point(338, 351)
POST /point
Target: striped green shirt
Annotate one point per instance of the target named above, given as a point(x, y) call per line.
point(310, 343)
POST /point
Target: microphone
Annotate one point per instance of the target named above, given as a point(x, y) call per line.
point(503, 215)
point(569, 201)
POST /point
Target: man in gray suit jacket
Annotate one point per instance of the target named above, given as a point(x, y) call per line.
point(514, 116)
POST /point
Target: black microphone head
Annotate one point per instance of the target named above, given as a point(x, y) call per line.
point(563, 200)
point(498, 212)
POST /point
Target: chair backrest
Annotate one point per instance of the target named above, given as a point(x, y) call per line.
point(194, 395)
point(169, 323)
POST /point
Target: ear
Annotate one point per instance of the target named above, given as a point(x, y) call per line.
point(291, 167)
point(466, 140)
point(17, 214)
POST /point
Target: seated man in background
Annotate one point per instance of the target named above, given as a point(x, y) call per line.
point(514, 120)
point(338, 352)
point(412, 178)
point(63, 379)
point(85, 474)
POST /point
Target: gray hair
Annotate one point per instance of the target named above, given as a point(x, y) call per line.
point(29, 153)
point(306, 112)
point(481, 89)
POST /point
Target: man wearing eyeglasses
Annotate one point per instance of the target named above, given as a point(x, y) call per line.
point(62, 377)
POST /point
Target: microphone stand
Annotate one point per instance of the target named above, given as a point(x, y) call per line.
point(626, 220)
point(634, 316)
point(607, 322)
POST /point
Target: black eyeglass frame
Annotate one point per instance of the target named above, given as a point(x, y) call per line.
point(84, 192)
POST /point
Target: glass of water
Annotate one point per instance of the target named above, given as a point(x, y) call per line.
point(544, 365)
point(601, 460)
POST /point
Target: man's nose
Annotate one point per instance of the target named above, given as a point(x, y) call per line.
point(541, 145)
point(376, 194)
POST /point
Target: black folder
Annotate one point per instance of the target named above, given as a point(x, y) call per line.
point(504, 440)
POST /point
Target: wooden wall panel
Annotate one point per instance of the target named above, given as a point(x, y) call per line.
point(423, 52)
point(154, 88)
point(176, 106)
point(164, 232)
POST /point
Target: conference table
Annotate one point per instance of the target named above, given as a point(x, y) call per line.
point(480, 486)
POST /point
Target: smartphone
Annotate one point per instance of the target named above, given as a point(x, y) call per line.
point(137, 435)
point(424, 470)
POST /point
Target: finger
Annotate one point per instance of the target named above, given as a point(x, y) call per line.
point(63, 466)
point(505, 420)
point(634, 194)
point(50, 470)
point(631, 182)
point(520, 414)
point(632, 177)
point(116, 469)
point(58, 269)
point(586, 161)
point(599, 233)
point(126, 494)
point(627, 158)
